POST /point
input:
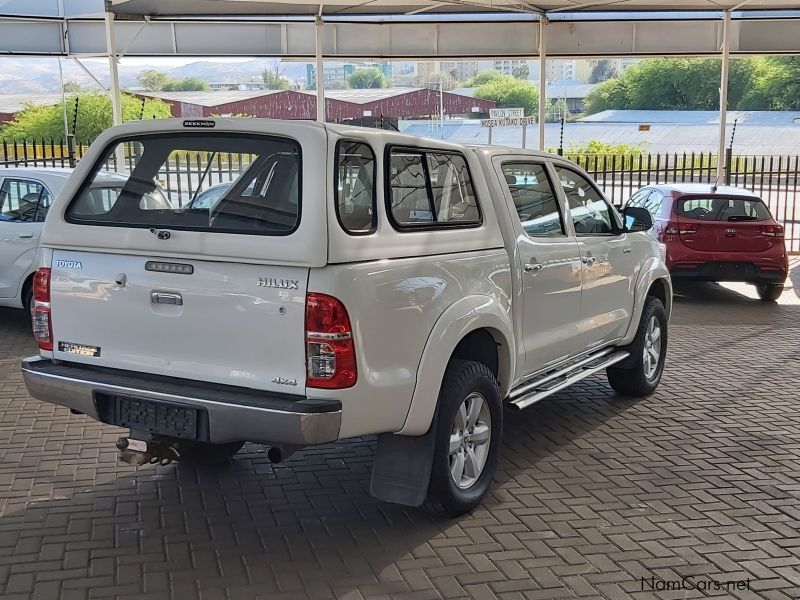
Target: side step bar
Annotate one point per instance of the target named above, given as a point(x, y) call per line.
point(530, 393)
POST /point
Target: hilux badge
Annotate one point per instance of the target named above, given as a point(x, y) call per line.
point(284, 284)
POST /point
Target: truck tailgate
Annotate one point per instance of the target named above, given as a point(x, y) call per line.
point(227, 323)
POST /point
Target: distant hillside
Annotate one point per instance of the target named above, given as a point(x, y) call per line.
point(40, 75)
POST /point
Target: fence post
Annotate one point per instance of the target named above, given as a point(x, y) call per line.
point(71, 150)
point(728, 164)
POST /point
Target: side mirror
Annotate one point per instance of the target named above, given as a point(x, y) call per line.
point(637, 219)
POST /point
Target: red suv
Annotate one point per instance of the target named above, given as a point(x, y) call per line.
point(717, 234)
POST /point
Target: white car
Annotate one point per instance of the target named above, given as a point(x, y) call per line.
point(348, 282)
point(26, 194)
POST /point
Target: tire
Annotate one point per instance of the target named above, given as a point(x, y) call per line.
point(27, 303)
point(769, 292)
point(207, 454)
point(638, 376)
point(470, 386)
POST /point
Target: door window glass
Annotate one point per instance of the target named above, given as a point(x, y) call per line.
point(23, 200)
point(590, 212)
point(534, 199)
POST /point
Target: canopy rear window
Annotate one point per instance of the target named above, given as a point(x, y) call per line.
point(722, 209)
point(223, 183)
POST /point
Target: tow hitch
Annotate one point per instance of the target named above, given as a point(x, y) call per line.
point(155, 451)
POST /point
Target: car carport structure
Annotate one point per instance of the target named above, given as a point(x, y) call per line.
point(419, 29)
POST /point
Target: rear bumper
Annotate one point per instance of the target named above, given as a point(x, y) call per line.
point(225, 413)
point(726, 271)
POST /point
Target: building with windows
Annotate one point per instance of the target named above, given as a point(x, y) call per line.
point(336, 74)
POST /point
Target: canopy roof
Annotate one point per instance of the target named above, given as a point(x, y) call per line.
point(396, 7)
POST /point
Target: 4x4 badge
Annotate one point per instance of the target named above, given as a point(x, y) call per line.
point(284, 284)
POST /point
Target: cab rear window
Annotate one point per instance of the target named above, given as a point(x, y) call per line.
point(723, 209)
point(223, 183)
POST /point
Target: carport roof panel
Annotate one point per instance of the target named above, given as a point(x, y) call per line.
point(189, 8)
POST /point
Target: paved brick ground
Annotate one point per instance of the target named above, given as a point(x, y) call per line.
point(593, 493)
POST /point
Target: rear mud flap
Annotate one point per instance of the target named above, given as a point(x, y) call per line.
point(402, 468)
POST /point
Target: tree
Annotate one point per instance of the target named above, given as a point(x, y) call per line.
point(672, 84)
point(603, 70)
point(368, 78)
point(72, 87)
point(509, 92)
point(273, 81)
point(482, 78)
point(153, 81)
point(273, 77)
point(776, 84)
point(442, 80)
point(94, 116)
point(557, 109)
point(522, 71)
point(189, 84)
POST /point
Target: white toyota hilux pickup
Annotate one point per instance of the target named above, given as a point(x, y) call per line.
point(342, 282)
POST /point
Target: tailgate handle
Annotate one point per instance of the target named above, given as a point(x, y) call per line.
point(166, 298)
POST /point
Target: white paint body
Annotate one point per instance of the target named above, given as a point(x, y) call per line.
point(411, 296)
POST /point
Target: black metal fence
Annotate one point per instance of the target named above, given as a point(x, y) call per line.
point(774, 178)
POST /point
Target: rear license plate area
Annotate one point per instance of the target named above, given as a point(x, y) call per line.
point(147, 415)
point(730, 270)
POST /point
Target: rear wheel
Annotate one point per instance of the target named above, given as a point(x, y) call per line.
point(640, 374)
point(205, 453)
point(469, 431)
point(27, 302)
point(769, 292)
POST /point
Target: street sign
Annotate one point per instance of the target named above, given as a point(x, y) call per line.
point(506, 113)
point(508, 122)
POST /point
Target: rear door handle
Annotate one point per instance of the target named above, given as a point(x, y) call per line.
point(166, 298)
point(532, 267)
point(25, 236)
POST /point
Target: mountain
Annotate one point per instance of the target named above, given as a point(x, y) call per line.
point(41, 75)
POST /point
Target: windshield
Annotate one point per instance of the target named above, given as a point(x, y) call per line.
point(723, 209)
point(224, 183)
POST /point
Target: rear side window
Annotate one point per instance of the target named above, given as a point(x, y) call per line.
point(430, 189)
point(162, 181)
point(723, 209)
point(23, 200)
point(355, 187)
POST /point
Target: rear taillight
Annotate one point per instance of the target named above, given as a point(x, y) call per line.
point(42, 323)
point(330, 352)
point(674, 228)
point(773, 231)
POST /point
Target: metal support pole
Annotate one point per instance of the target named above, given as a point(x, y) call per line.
point(320, 71)
point(723, 95)
point(116, 97)
point(542, 80)
point(441, 104)
point(63, 100)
